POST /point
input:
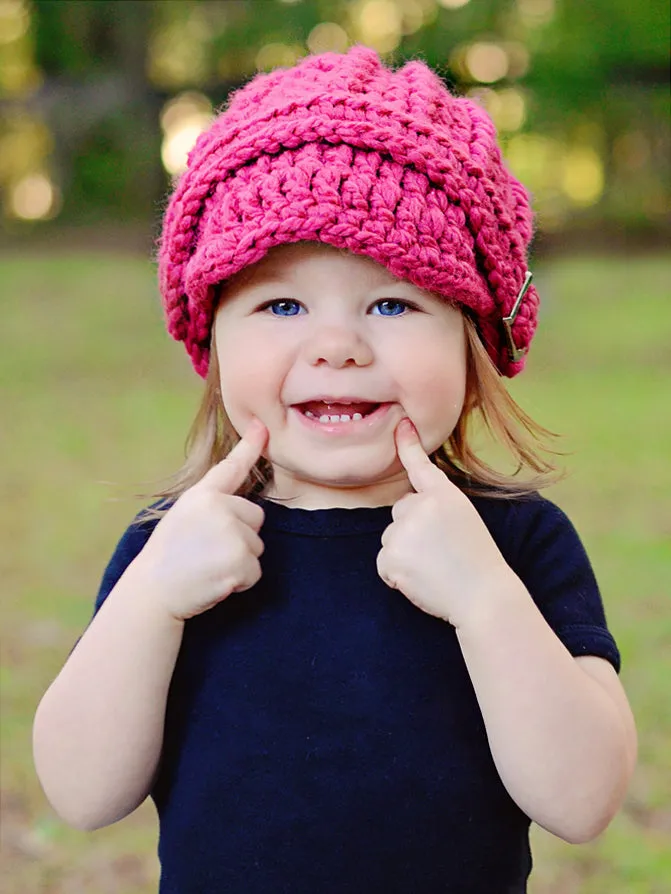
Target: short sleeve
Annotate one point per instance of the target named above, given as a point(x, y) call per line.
point(131, 545)
point(554, 567)
point(543, 548)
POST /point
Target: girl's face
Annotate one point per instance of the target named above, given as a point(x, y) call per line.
point(310, 336)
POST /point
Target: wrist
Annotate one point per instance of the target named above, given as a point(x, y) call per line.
point(499, 595)
point(148, 584)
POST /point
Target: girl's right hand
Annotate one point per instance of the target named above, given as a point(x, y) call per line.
point(207, 545)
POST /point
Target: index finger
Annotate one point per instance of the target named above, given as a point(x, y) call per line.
point(421, 471)
point(231, 473)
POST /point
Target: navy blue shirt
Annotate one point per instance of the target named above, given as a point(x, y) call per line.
point(322, 733)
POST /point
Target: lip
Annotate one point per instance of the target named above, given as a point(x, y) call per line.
point(330, 399)
point(342, 429)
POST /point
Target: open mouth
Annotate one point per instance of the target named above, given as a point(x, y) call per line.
point(331, 413)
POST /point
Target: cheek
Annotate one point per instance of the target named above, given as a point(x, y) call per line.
point(249, 381)
point(436, 396)
point(450, 392)
point(439, 408)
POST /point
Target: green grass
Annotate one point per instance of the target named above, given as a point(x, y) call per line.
point(94, 391)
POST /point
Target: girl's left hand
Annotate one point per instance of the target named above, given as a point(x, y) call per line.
point(438, 551)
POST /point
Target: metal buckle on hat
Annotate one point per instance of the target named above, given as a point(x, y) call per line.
point(514, 352)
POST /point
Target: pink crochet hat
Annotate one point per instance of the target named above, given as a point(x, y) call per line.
point(341, 150)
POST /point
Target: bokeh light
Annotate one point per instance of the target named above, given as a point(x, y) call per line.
point(535, 13)
point(583, 175)
point(14, 20)
point(176, 54)
point(413, 14)
point(537, 161)
point(278, 55)
point(486, 62)
point(327, 37)
point(513, 109)
point(506, 108)
point(183, 119)
point(561, 176)
point(18, 73)
point(34, 197)
point(377, 24)
point(518, 58)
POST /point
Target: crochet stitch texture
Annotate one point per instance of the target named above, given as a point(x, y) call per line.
point(342, 150)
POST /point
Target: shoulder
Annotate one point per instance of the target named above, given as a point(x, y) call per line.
point(541, 545)
point(526, 507)
point(131, 544)
point(523, 525)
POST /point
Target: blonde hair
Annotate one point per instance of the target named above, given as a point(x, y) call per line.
point(487, 404)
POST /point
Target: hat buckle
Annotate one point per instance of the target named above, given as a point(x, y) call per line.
point(514, 352)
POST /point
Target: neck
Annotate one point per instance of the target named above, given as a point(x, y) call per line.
point(317, 495)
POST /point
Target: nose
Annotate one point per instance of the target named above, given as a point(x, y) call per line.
point(337, 346)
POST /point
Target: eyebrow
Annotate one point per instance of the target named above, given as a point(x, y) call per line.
point(259, 279)
point(274, 275)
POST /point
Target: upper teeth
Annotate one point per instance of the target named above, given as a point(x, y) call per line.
point(326, 418)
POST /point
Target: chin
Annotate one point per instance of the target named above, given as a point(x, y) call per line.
point(345, 477)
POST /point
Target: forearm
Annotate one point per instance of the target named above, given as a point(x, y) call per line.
point(98, 730)
point(562, 745)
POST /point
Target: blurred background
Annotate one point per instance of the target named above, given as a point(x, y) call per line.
point(100, 101)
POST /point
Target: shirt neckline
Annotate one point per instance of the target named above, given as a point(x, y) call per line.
point(339, 522)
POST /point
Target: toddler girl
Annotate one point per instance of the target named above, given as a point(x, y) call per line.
point(342, 653)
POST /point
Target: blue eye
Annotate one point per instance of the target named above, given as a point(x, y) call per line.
point(283, 307)
point(390, 307)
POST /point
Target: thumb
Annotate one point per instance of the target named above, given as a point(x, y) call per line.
point(422, 473)
point(229, 474)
